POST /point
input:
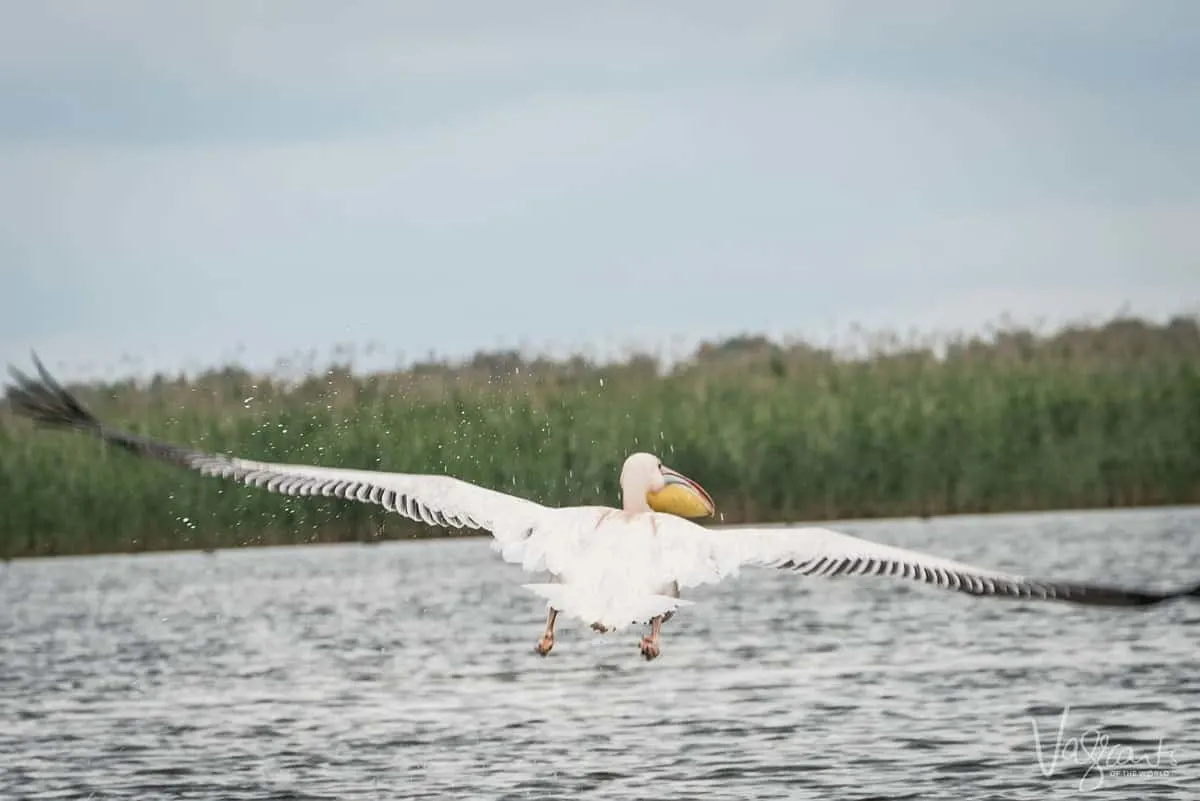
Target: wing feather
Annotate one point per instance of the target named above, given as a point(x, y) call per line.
point(707, 556)
point(431, 499)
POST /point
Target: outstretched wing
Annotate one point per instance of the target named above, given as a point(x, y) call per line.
point(436, 500)
point(698, 556)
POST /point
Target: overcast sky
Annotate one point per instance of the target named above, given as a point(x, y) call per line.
point(182, 183)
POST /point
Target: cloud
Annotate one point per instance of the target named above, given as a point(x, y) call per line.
point(143, 73)
point(181, 181)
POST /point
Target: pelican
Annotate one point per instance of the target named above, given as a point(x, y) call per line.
point(608, 567)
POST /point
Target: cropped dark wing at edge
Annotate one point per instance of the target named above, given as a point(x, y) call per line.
point(824, 552)
point(435, 500)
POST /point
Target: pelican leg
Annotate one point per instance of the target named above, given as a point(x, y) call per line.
point(649, 646)
point(547, 642)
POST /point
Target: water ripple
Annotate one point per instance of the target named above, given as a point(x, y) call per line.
point(407, 670)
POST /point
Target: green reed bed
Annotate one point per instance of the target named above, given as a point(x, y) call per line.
point(1101, 417)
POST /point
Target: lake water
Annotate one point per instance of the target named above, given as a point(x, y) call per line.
point(406, 670)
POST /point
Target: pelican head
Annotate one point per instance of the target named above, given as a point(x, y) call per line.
point(648, 484)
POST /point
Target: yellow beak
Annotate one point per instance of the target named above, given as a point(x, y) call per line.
point(681, 496)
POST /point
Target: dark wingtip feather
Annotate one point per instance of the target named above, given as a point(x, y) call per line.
point(44, 400)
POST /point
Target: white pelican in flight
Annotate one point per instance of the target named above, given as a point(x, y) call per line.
point(609, 567)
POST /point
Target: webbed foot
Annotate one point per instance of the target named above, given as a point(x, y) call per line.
point(649, 648)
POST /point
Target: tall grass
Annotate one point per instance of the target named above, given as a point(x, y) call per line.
point(1089, 417)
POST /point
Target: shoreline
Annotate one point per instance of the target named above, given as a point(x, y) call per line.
point(474, 534)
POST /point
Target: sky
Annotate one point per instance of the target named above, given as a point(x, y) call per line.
point(184, 185)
